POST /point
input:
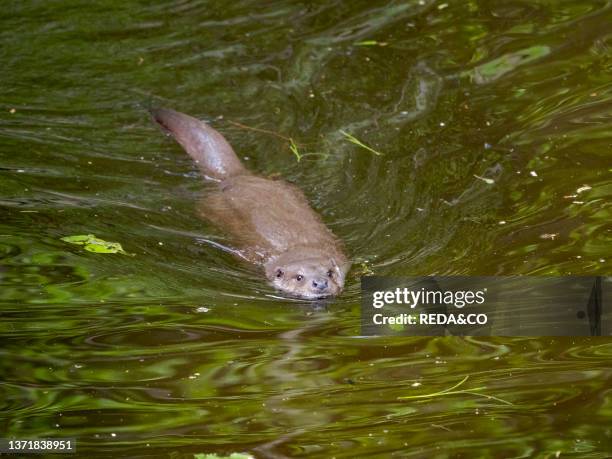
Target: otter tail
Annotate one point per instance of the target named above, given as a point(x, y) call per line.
point(211, 152)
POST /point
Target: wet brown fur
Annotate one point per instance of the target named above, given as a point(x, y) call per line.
point(270, 221)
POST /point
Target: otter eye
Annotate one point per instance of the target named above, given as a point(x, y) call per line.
point(330, 273)
point(299, 277)
point(279, 273)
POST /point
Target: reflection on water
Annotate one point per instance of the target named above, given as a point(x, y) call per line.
point(494, 123)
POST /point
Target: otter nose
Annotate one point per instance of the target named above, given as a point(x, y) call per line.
point(320, 284)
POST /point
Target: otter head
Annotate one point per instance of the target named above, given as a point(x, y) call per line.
point(310, 278)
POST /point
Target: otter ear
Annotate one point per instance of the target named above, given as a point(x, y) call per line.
point(334, 265)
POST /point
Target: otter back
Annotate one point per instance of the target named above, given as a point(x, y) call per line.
point(213, 155)
point(267, 217)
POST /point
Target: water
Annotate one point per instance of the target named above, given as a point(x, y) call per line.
point(493, 120)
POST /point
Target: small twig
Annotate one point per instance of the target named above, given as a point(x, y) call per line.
point(441, 427)
point(451, 391)
point(263, 131)
point(486, 396)
point(442, 392)
point(293, 146)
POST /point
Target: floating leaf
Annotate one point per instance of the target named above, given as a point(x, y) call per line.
point(362, 269)
point(215, 456)
point(496, 68)
point(359, 143)
point(583, 188)
point(93, 244)
point(294, 149)
point(371, 43)
point(484, 179)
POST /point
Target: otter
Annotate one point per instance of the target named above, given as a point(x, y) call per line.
point(270, 221)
